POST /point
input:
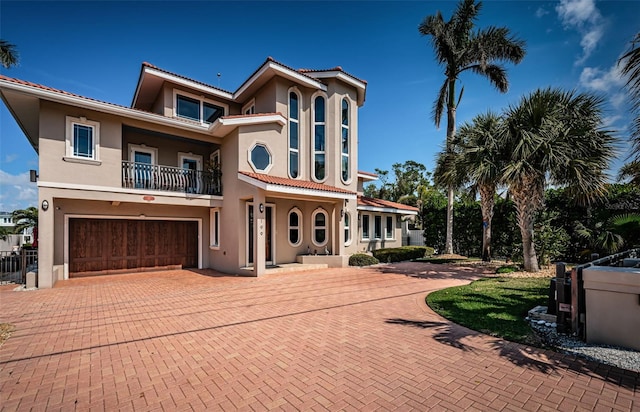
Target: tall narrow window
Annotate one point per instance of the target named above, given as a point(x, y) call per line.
point(295, 227)
point(319, 138)
point(319, 219)
point(294, 134)
point(388, 229)
point(347, 228)
point(365, 227)
point(215, 228)
point(377, 227)
point(345, 141)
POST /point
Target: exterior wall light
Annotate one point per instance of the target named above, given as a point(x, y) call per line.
point(261, 208)
point(45, 205)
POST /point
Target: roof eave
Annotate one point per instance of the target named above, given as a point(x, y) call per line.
point(274, 188)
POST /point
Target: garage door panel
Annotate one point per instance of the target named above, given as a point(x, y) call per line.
point(98, 246)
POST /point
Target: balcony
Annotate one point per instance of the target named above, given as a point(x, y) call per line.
point(171, 179)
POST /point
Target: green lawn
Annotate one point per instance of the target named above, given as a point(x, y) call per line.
point(496, 306)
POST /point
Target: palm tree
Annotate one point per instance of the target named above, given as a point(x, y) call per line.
point(630, 62)
point(8, 54)
point(554, 137)
point(630, 171)
point(483, 160)
point(25, 218)
point(459, 49)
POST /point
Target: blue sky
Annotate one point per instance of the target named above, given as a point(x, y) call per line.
point(95, 49)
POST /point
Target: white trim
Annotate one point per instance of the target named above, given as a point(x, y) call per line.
point(123, 217)
point(104, 107)
point(393, 229)
point(70, 121)
point(298, 122)
point(253, 166)
point(273, 232)
point(350, 228)
point(213, 155)
point(349, 135)
point(110, 189)
point(249, 106)
point(283, 72)
point(223, 126)
point(269, 187)
point(362, 87)
point(214, 241)
point(313, 137)
point(387, 210)
point(319, 210)
point(375, 237)
point(82, 161)
point(368, 238)
point(366, 177)
point(300, 228)
point(202, 100)
point(153, 151)
point(186, 82)
point(190, 156)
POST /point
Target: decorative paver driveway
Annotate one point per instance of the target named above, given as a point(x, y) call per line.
point(337, 339)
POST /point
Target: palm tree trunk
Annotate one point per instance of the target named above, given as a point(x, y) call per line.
point(527, 203)
point(487, 203)
point(451, 132)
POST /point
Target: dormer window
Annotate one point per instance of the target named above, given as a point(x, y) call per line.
point(197, 109)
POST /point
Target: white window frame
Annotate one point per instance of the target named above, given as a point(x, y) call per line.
point(314, 227)
point(295, 91)
point(214, 228)
point(144, 149)
point(348, 154)
point(190, 156)
point(366, 227)
point(298, 228)
point(255, 169)
point(313, 138)
point(389, 231)
point(249, 108)
point(377, 236)
point(347, 228)
point(215, 159)
point(202, 100)
point(69, 137)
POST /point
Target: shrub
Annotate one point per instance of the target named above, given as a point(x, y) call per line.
point(507, 269)
point(361, 259)
point(399, 254)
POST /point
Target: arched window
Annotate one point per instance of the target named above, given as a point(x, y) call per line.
point(319, 138)
point(294, 134)
point(347, 228)
point(295, 227)
point(344, 160)
point(320, 218)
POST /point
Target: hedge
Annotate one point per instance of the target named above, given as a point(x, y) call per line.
point(400, 254)
point(361, 259)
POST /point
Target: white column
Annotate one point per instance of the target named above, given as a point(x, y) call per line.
point(259, 233)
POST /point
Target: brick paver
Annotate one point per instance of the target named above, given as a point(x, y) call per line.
point(337, 339)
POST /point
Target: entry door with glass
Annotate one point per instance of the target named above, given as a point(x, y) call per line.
point(268, 215)
point(143, 164)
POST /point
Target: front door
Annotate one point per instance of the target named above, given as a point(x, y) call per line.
point(268, 246)
point(143, 169)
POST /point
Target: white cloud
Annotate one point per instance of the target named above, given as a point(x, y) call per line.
point(600, 80)
point(583, 16)
point(16, 191)
point(541, 12)
point(10, 158)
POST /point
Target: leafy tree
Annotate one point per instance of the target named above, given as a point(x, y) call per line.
point(609, 236)
point(630, 63)
point(25, 218)
point(631, 172)
point(8, 54)
point(554, 137)
point(458, 48)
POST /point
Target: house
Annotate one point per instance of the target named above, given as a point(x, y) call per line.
point(194, 176)
point(11, 241)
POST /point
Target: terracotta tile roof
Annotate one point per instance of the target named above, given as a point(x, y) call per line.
point(145, 64)
point(302, 184)
point(372, 202)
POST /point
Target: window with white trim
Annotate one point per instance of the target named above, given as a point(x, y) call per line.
point(319, 219)
point(319, 138)
point(250, 108)
point(388, 228)
point(377, 227)
point(214, 236)
point(260, 158)
point(295, 227)
point(294, 134)
point(345, 142)
point(365, 227)
point(347, 228)
point(197, 109)
point(82, 138)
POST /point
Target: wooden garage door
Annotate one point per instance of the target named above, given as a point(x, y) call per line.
point(102, 246)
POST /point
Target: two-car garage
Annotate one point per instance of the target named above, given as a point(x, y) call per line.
point(104, 246)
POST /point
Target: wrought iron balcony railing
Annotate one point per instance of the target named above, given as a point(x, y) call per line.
point(171, 179)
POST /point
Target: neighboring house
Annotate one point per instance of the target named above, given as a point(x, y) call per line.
point(13, 241)
point(194, 176)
